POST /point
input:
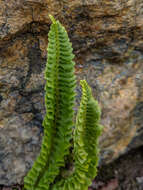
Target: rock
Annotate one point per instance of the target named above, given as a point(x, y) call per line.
point(117, 89)
point(112, 185)
point(140, 179)
point(125, 173)
point(107, 40)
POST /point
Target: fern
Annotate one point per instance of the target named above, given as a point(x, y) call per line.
point(86, 150)
point(58, 123)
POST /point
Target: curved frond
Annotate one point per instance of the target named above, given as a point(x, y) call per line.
point(59, 101)
point(86, 150)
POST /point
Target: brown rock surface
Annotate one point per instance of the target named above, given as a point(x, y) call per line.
point(107, 39)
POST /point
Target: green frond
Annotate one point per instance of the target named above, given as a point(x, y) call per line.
point(86, 150)
point(59, 101)
point(58, 123)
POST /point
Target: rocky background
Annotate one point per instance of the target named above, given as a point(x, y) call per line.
point(107, 38)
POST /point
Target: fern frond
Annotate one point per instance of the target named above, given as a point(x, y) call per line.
point(86, 150)
point(59, 100)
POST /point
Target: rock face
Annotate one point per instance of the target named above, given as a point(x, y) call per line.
point(107, 38)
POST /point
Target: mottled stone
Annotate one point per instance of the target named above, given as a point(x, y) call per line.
point(116, 89)
point(108, 43)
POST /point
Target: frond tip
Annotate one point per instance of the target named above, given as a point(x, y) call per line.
point(52, 19)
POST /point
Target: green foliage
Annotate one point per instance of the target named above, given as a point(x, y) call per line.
point(46, 173)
